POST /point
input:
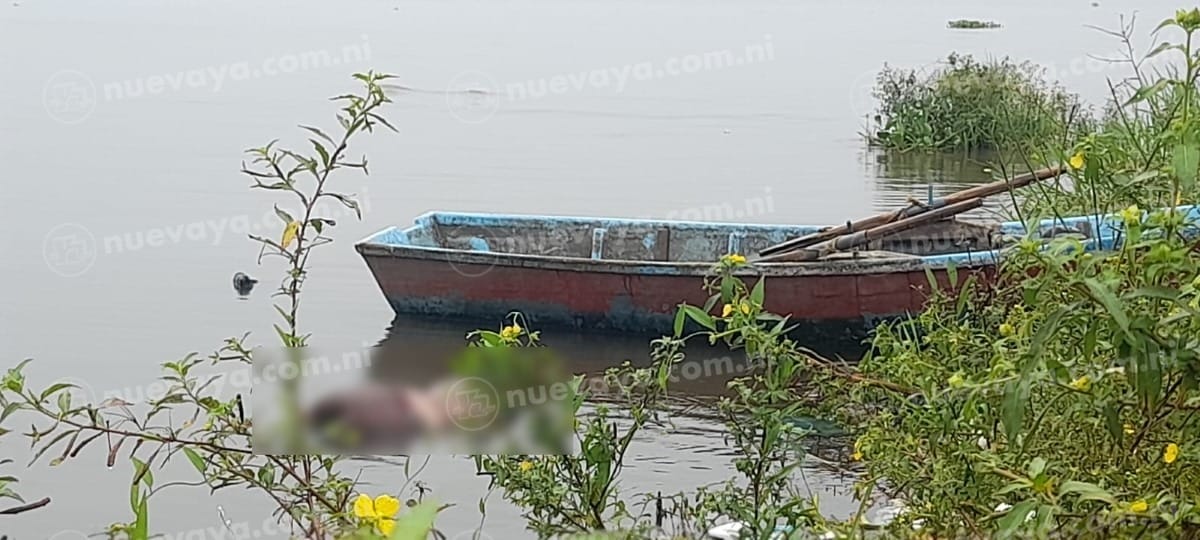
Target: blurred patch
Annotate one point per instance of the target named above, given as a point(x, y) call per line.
point(493, 400)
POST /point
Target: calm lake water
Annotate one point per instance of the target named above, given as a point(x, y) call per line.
point(122, 125)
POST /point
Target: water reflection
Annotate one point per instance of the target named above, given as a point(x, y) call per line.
point(414, 347)
point(899, 177)
point(690, 450)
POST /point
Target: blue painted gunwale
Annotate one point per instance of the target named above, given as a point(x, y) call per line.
point(417, 241)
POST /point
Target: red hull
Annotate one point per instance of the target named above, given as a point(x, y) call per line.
point(636, 299)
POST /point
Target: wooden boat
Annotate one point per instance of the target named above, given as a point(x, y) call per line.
point(630, 275)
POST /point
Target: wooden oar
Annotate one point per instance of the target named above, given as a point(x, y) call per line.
point(859, 238)
point(985, 190)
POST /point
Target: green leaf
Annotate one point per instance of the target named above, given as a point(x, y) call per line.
point(416, 523)
point(1149, 375)
point(680, 317)
point(1164, 46)
point(933, 283)
point(1046, 331)
point(64, 401)
point(1087, 491)
point(1185, 160)
point(141, 523)
point(321, 150)
point(1165, 23)
point(54, 388)
point(284, 215)
point(197, 461)
point(1112, 422)
point(266, 475)
point(1016, 396)
point(1036, 466)
point(727, 284)
point(1016, 516)
point(1147, 92)
point(759, 291)
point(1109, 301)
point(702, 318)
point(319, 133)
point(347, 202)
point(10, 408)
point(141, 471)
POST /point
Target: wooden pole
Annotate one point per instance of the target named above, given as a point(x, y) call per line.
point(985, 190)
point(859, 238)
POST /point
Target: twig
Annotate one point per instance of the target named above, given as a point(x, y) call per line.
point(814, 359)
point(26, 507)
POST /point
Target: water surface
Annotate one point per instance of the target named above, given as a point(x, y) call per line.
point(123, 124)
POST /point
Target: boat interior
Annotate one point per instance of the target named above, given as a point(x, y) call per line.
point(688, 241)
point(649, 240)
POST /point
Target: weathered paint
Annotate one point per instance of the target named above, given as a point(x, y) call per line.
point(606, 287)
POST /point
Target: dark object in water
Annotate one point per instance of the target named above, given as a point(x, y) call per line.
point(243, 284)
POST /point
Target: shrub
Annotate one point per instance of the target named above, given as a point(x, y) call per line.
point(969, 104)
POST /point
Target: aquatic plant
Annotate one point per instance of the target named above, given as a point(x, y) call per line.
point(968, 104)
point(971, 24)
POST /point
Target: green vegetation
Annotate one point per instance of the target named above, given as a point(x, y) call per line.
point(968, 104)
point(971, 24)
point(1060, 398)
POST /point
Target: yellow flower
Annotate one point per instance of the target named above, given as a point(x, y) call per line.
point(525, 466)
point(857, 455)
point(1007, 330)
point(289, 233)
point(733, 259)
point(381, 512)
point(509, 333)
point(1138, 506)
point(726, 310)
point(956, 380)
point(1131, 215)
point(1076, 161)
point(745, 308)
point(1082, 383)
point(1171, 453)
point(1128, 429)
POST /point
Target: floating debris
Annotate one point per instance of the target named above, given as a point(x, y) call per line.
point(243, 284)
